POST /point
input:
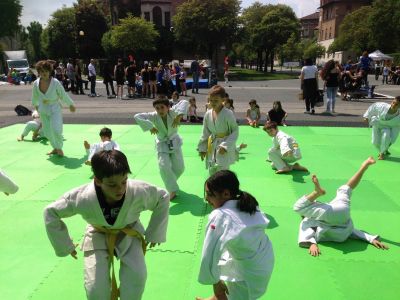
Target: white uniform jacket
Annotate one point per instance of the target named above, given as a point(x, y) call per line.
point(236, 248)
point(97, 147)
point(6, 184)
point(224, 133)
point(139, 196)
point(168, 138)
point(50, 101)
point(285, 143)
point(313, 230)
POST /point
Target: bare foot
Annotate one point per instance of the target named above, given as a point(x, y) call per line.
point(59, 152)
point(54, 151)
point(297, 167)
point(20, 138)
point(283, 171)
point(381, 156)
point(88, 163)
point(369, 161)
point(86, 145)
point(320, 191)
point(242, 146)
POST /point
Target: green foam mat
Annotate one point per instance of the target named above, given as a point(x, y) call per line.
point(352, 270)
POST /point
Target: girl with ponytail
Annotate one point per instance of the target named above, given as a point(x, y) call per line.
point(237, 257)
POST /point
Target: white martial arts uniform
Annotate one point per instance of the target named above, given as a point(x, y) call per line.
point(237, 250)
point(139, 196)
point(328, 221)
point(97, 147)
point(219, 133)
point(283, 143)
point(49, 106)
point(6, 184)
point(168, 143)
point(34, 125)
point(385, 127)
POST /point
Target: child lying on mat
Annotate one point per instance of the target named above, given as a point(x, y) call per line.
point(331, 221)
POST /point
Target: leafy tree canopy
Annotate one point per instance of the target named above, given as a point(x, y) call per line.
point(10, 12)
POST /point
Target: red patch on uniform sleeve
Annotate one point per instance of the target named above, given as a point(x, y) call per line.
point(212, 226)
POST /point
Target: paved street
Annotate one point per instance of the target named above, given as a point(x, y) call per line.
point(101, 110)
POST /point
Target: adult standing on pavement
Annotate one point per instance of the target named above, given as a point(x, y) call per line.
point(331, 76)
point(108, 74)
point(119, 75)
point(92, 77)
point(78, 77)
point(309, 84)
point(71, 74)
point(195, 68)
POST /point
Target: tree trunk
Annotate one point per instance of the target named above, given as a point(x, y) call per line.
point(266, 61)
point(272, 61)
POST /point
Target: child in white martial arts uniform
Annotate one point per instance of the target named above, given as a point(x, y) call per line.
point(111, 205)
point(106, 144)
point(384, 119)
point(35, 126)
point(7, 186)
point(284, 151)
point(237, 257)
point(217, 143)
point(331, 221)
point(164, 123)
point(47, 96)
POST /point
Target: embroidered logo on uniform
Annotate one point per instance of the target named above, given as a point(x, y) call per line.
point(212, 226)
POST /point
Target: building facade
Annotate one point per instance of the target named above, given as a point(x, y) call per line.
point(331, 15)
point(309, 26)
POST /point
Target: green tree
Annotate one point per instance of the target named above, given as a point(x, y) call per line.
point(91, 24)
point(10, 12)
point(276, 27)
point(132, 34)
point(203, 26)
point(354, 32)
point(291, 51)
point(314, 51)
point(61, 34)
point(384, 25)
point(35, 30)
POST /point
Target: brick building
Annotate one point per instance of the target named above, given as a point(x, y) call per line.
point(331, 15)
point(309, 25)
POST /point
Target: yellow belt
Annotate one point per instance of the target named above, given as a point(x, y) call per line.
point(111, 237)
point(210, 140)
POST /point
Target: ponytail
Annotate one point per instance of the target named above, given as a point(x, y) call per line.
point(246, 203)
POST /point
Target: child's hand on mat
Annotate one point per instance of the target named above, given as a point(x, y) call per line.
point(314, 250)
point(378, 244)
point(153, 130)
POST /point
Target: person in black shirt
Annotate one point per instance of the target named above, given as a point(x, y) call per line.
point(277, 114)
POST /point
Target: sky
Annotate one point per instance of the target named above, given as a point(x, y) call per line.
point(41, 10)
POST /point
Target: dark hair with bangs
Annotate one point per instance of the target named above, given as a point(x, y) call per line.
point(227, 180)
point(109, 163)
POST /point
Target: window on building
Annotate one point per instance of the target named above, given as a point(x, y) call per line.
point(330, 32)
point(326, 34)
point(322, 34)
point(157, 16)
point(349, 7)
point(167, 17)
point(147, 16)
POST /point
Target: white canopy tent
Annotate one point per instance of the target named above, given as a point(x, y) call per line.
point(378, 56)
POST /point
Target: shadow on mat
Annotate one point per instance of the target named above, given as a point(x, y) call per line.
point(348, 246)
point(272, 222)
point(394, 159)
point(185, 202)
point(68, 162)
point(390, 242)
point(298, 176)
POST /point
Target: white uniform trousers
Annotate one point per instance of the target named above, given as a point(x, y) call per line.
point(30, 126)
point(52, 125)
point(381, 138)
point(171, 168)
point(278, 161)
point(132, 273)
